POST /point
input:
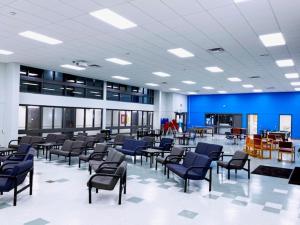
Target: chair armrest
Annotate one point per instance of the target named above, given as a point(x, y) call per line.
point(92, 156)
point(215, 153)
point(13, 141)
point(101, 175)
point(106, 168)
point(232, 160)
point(108, 163)
point(7, 176)
point(170, 157)
point(196, 167)
point(15, 155)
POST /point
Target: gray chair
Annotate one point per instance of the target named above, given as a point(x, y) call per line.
point(150, 141)
point(174, 157)
point(237, 162)
point(114, 158)
point(16, 143)
point(100, 138)
point(99, 153)
point(68, 150)
point(35, 140)
point(108, 181)
point(119, 140)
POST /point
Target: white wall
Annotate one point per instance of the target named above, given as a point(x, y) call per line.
point(9, 101)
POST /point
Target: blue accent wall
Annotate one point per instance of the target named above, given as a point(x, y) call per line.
point(268, 107)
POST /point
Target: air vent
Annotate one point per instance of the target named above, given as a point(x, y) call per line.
point(264, 55)
point(270, 88)
point(216, 50)
point(254, 77)
point(164, 82)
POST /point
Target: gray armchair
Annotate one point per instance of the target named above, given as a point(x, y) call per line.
point(114, 158)
point(108, 181)
point(237, 162)
point(174, 157)
point(99, 153)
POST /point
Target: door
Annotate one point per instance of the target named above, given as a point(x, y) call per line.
point(252, 124)
point(2, 125)
point(285, 123)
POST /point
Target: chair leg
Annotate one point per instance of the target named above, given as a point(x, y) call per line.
point(120, 191)
point(165, 169)
point(248, 168)
point(210, 178)
point(15, 195)
point(217, 169)
point(1, 193)
point(90, 195)
point(50, 156)
point(30, 182)
point(90, 169)
point(141, 160)
point(235, 171)
point(134, 160)
point(155, 164)
point(79, 163)
point(185, 184)
point(228, 174)
point(125, 182)
point(168, 173)
point(69, 160)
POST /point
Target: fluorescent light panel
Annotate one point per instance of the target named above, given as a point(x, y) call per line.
point(5, 52)
point(234, 79)
point(40, 37)
point(285, 62)
point(295, 83)
point(120, 77)
point(297, 89)
point(291, 75)
point(112, 18)
point(161, 74)
point(118, 61)
point(257, 90)
point(192, 93)
point(174, 89)
point(208, 88)
point(222, 92)
point(188, 82)
point(72, 67)
point(151, 84)
point(214, 69)
point(248, 86)
point(181, 53)
point(270, 40)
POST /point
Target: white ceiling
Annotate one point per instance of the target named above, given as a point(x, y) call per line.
point(195, 25)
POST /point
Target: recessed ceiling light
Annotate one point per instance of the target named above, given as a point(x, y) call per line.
point(257, 90)
point(240, 1)
point(5, 52)
point(234, 79)
point(285, 62)
point(222, 92)
point(32, 74)
point(151, 84)
point(248, 86)
point(192, 93)
point(174, 89)
point(214, 69)
point(291, 75)
point(181, 53)
point(188, 82)
point(208, 88)
point(49, 89)
point(31, 84)
point(118, 61)
point(120, 77)
point(161, 74)
point(40, 37)
point(72, 67)
point(270, 40)
point(297, 89)
point(112, 18)
point(23, 72)
point(295, 83)
point(77, 92)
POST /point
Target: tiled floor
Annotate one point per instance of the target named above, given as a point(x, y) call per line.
point(60, 197)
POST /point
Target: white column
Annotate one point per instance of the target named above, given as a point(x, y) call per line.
point(104, 106)
point(9, 101)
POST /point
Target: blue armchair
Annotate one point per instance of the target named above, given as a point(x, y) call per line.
point(193, 167)
point(213, 151)
point(23, 149)
point(133, 147)
point(12, 174)
point(165, 144)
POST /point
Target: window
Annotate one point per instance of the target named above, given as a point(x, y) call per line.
point(33, 117)
point(89, 117)
point(79, 118)
point(115, 118)
point(108, 118)
point(134, 118)
point(123, 118)
point(70, 118)
point(98, 117)
point(285, 123)
point(22, 117)
point(52, 89)
point(47, 118)
point(58, 118)
point(128, 118)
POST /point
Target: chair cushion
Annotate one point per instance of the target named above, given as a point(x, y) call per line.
point(160, 160)
point(25, 140)
point(67, 146)
point(84, 157)
point(182, 172)
point(103, 182)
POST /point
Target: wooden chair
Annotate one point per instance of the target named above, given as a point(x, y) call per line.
point(272, 139)
point(286, 148)
point(249, 146)
point(257, 148)
point(267, 145)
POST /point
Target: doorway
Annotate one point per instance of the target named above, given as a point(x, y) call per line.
point(252, 123)
point(285, 123)
point(1, 125)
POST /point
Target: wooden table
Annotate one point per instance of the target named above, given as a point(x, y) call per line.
point(150, 152)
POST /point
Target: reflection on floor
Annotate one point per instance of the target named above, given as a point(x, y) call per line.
point(60, 197)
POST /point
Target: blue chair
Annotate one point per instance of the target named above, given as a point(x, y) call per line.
point(213, 151)
point(193, 167)
point(165, 144)
point(22, 150)
point(12, 174)
point(133, 147)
